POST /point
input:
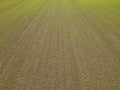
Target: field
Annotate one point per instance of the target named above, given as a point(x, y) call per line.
point(59, 44)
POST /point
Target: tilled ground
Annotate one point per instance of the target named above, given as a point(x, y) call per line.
point(59, 45)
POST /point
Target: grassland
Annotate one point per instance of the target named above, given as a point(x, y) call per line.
point(59, 44)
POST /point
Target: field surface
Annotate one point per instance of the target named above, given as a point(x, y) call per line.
point(59, 44)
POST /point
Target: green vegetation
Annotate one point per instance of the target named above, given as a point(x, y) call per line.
point(11, 10)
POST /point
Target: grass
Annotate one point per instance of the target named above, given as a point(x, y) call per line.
point(13, 9)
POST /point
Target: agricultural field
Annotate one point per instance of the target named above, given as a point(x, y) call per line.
point(59, 44)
